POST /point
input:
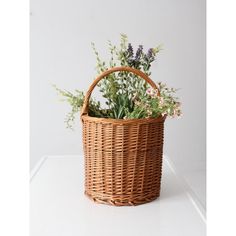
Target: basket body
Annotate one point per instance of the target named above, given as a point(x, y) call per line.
point(123, 159)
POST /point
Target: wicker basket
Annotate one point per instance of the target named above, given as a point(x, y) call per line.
point(123, 158)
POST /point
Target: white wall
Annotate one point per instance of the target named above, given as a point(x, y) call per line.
point(61, 33)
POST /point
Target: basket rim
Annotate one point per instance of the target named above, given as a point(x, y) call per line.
point(86, 117)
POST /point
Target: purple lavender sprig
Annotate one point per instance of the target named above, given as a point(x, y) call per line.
point(130, 51)
point(139, 52)
point(149, 54)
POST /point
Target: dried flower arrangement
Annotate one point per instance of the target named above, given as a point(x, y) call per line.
point(127, 96)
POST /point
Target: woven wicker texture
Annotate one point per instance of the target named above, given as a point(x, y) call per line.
point(123, 158)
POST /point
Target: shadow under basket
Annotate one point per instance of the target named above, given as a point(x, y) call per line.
point(123, 158)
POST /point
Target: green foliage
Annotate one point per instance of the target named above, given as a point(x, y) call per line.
point(76, 101)
point(126, 94)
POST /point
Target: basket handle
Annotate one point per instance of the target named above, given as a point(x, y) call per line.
point(84, 110)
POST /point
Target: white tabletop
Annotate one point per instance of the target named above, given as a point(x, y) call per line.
point(59, 207)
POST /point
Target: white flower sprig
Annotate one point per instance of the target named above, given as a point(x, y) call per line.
point(153, 104)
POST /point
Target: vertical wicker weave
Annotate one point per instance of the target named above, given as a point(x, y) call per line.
point(123, 158)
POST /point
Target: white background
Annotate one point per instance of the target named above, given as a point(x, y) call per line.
point(61, 32)
point(14, 59)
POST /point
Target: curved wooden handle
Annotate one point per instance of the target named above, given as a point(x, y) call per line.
point(84, 110)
